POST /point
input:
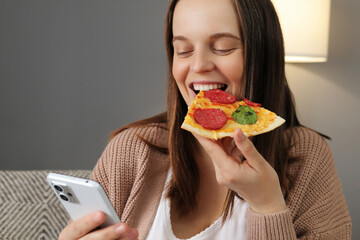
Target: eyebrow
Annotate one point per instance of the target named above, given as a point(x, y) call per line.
point(180, 37)
point(213, 36)
point(224, 34)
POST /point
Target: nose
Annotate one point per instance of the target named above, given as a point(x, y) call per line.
point(202, 62)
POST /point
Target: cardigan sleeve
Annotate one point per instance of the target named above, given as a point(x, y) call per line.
point(316, 204)
point(123, 166)
point(100, 171)
point(116, 168)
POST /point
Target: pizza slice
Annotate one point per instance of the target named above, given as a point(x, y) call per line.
point(216, 114)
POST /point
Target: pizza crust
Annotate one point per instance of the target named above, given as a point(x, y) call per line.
point(212, 134)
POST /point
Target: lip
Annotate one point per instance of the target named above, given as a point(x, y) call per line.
point(191, 86)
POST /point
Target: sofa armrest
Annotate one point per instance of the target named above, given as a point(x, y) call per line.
point(29, 209)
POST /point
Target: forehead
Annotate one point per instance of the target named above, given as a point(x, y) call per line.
point(205, 16)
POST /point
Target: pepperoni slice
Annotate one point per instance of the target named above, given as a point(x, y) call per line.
point(219, 96)
point(250, 103)
point(210, 118)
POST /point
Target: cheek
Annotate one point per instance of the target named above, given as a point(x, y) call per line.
point(179, 70)
point(234, 72)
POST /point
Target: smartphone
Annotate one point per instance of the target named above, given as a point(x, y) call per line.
point(82, 196)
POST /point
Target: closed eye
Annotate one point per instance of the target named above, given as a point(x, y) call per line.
point(224, 51)
point(184, 53)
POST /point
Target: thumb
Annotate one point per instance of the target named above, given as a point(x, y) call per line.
point(247, 149)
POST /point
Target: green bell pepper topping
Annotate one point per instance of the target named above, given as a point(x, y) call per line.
point(244, 115)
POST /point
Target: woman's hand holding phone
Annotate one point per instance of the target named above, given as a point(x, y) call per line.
point(93, 214)
point(85, 228)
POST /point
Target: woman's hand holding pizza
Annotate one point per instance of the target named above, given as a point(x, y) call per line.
point(254, 179)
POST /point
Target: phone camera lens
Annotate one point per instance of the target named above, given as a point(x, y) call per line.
point(64, 197)
point(58, 188)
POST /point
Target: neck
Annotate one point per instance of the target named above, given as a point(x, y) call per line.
point(203, 161)
point(208, 182)
point(210, 197)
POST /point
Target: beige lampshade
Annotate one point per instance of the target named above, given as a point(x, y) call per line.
point(305, 26)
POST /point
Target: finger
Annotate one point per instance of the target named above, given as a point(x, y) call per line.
point(230, 148)
point(247, 149)
point(77, 229)
point(215, 150)
point(133, 234)
point(228, 144)
point(117, 231)
point(236, 154)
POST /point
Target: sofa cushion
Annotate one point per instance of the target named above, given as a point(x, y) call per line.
point(29, 209)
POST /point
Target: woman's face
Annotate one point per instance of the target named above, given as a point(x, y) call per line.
point(208, 51)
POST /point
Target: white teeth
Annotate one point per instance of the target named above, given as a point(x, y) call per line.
point(207, 87)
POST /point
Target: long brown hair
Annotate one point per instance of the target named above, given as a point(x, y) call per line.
point(265, 82)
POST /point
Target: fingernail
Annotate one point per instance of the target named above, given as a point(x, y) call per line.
point(240, 134)
point(97, 217)
point(120, 229)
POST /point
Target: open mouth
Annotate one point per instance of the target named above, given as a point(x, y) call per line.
point(196, 87)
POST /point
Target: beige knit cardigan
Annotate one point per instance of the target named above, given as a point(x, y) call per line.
point(133, 175)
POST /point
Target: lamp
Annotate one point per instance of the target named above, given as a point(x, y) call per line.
point(305, 26)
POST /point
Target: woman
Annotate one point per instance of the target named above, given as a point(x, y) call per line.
point(166, 183)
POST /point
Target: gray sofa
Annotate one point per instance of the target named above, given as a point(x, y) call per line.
point(29, 208)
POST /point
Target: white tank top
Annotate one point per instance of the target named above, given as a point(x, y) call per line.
point(234, 226)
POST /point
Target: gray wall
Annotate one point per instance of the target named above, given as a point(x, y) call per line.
point(328, 98)
point(72, 71)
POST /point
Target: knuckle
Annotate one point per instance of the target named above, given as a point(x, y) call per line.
point(227, 179)
point(110, 233)
point(70, 228)
point(125, 227)
point(220, 179)
point(120, 229)
point(77, 230)
point(81, 227)
point(230, 179)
